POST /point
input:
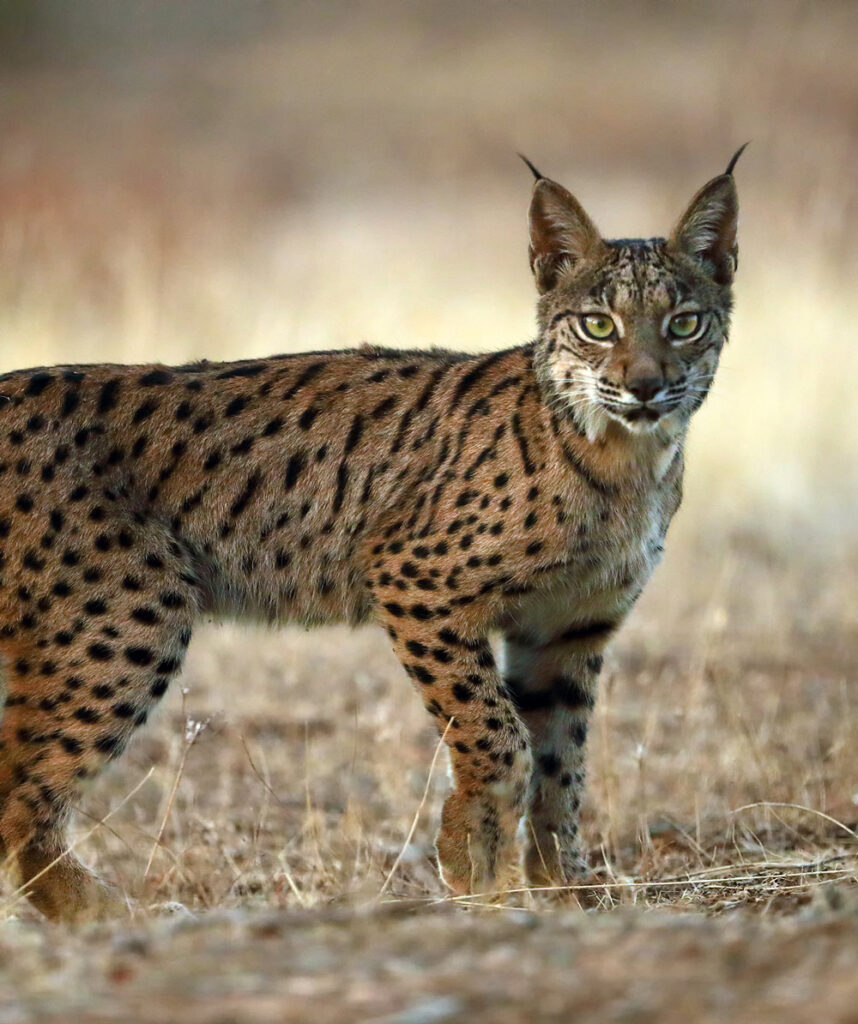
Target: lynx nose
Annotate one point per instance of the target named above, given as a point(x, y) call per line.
point(644, 388)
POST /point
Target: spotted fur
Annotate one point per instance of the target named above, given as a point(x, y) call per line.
point(445, 496)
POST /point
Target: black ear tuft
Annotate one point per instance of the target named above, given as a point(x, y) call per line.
point(539, 176)
point(736, 156)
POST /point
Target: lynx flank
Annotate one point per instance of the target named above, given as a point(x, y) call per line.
point(444, 496)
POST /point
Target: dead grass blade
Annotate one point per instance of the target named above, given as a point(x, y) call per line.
point(192, 733)
point(416, 818)
point(798, 807)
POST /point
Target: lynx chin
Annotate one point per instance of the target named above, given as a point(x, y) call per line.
point(523, 494)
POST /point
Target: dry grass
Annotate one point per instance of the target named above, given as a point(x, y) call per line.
point(349, 176)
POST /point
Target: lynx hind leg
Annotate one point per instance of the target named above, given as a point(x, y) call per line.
point(490, 756)
point(51, 738)
point(32, 832)
point(44, 870)
point(85, 667)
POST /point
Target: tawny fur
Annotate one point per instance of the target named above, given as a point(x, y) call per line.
point(447, 497)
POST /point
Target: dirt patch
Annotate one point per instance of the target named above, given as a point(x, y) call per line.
point(419, 966)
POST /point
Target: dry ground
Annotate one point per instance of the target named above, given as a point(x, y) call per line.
point(307, 176)
point(398, 966)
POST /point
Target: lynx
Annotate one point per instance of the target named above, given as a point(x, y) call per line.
point(448, 497)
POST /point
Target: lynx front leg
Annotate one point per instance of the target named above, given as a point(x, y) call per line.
point(553, 684)
point(489, 751)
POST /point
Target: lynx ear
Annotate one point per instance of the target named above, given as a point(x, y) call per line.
point(707, 230)
point(560, 231)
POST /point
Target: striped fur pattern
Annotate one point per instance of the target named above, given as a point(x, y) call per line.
point(447, 497)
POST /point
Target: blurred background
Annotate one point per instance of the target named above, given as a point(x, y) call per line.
point(183, 179)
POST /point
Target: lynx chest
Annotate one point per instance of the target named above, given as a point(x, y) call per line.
point(612, 544)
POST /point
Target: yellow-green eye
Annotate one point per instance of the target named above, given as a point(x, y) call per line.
point(683, 325)
point(598, 326)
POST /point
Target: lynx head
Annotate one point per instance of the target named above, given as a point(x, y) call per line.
point(631, 330)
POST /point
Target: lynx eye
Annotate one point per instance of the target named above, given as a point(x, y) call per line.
point(598, 326)
point(683, 325)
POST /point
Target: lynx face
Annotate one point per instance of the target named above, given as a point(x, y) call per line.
point(633, 329)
